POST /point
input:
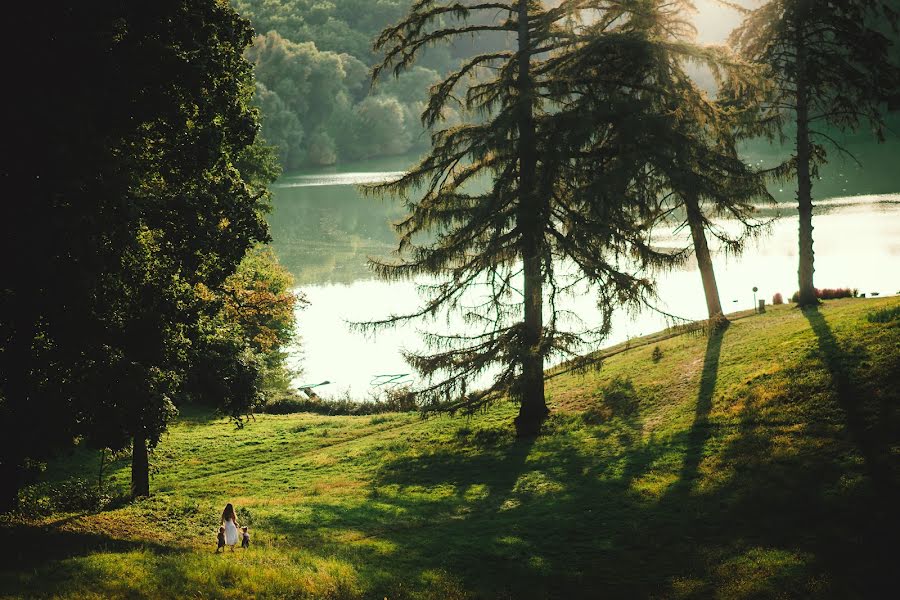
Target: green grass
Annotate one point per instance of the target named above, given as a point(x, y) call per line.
point(760, 462)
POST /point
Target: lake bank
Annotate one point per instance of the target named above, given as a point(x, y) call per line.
point(856, 246)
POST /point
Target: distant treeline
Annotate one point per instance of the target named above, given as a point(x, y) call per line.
point(313, 60)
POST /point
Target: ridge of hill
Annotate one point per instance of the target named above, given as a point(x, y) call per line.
point(760, 461)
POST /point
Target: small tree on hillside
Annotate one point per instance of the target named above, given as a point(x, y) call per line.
point(255, 324)
point(830, 67)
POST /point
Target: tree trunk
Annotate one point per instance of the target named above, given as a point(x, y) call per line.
point(533, 408)
point(18, 444)
point(100, 473)
point(704, 262)
point(140, 468)
point(804, 182)
point(10, 482)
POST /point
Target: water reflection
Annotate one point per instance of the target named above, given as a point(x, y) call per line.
point(324, 231)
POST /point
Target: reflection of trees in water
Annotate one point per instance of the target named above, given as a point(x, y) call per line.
point(876, 174)
point(325, 233)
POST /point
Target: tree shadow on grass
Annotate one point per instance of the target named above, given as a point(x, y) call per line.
point(869, 430)
point(576, 515)
point(560, 517)
point(30, 546)
point(522, 519)
point(700, 430)
point(750, 503)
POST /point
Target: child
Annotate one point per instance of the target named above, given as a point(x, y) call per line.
point(245, 538)
point(221, 545)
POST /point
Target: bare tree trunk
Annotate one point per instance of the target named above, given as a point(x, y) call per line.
point(140, 468)
point(533, 408)
point(804, 182)
point(704, 261)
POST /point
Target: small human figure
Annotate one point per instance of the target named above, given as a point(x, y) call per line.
point(229, 522)
point(245, 538)
point(221, 545)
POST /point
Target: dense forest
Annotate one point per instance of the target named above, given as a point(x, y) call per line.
point(312, 62)
point(139, 281)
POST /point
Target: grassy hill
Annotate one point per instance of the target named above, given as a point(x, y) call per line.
point(762, 461)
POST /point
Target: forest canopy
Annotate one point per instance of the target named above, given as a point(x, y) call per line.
point(312, 63)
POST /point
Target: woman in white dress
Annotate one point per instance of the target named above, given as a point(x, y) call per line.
point(229, 521)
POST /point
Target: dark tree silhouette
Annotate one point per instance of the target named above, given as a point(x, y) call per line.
point(682, 143)
point(828, 64)
point(568, 119)
point(138, 193)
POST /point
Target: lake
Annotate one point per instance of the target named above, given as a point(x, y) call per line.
point(323, 231)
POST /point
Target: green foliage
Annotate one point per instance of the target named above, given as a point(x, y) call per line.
point(289, 402)
point(240, 358)
point(829, 69)
point(244, 516)
point(67, 496)
point(315, 91)
point(315, 96)
point(569, 153)
point(680, 167)
point(836, 54)
point(140, 195)
point(884, 315)
point(259, 299)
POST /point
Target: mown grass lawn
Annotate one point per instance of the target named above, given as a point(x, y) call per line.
point(761, 461)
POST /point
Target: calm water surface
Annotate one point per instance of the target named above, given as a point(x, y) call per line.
point(323, 232)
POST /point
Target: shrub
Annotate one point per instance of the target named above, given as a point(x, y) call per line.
point(778, 298)
point(244, 517)
point(71, 495)
point(394, 400)
point(830, 294)
point(656, 355)
point(489, 437)
point(885, 315)
point(619, 399)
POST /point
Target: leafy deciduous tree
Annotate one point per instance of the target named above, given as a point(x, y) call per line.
point(133, 201)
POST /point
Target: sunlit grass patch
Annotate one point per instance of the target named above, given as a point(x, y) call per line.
point(744, 465)
point(764, 572)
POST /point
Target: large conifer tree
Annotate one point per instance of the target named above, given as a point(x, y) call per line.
point(629, 81)
point(568, 202)
point(829, 65)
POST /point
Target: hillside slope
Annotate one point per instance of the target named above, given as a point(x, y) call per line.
point(759, 462)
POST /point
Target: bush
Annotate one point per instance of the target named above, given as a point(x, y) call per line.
point(830, 294)
point(244, 517)
point(885, 315)
point(71, 495)
point(778, 298)
point(395, 400)
point(619, 399)
point(656, 355)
